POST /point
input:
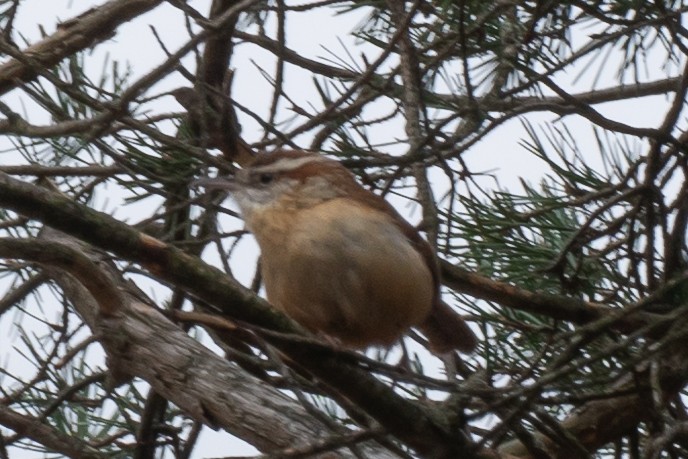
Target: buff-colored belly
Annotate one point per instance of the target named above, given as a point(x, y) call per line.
point(347, 272)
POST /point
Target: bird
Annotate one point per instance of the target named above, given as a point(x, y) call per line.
point(339, 259)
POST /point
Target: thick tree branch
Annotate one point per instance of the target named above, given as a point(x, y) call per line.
point(599, 422)
point(63, 171)
point(94, 26)
point(142, 342)
point(554, 306)
point(409, 422)
point(48, 436)
point(215, 85)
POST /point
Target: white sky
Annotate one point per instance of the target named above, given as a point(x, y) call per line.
point(499, 152)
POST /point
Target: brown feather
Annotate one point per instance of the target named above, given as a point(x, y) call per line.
point(444, 328)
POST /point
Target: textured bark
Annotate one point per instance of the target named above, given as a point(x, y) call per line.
point(94, 26)
point(48, 436)
point(599, 422)
point(554, 306)
point(427, 432)
point(141, 342)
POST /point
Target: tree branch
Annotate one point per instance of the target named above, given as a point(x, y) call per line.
point(140, 341)
point(414, 425)
point(48, 436)
point(84, 31)
point(554, 306)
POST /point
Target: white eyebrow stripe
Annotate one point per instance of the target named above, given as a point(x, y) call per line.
point(288, 164)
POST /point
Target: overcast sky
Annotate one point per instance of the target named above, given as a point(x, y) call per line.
point(328, 39)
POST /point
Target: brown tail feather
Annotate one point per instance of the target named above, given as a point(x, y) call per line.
point(447, 331)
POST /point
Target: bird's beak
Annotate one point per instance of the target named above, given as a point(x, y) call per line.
point(228, 183)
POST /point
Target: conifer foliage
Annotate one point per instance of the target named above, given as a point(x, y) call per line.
point(539, 146)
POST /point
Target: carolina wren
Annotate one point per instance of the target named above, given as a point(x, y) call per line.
point(339, 259)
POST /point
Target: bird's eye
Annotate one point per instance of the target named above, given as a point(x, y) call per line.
point(266, 178)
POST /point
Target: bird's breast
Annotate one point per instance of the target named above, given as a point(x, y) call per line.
point(345, 270)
